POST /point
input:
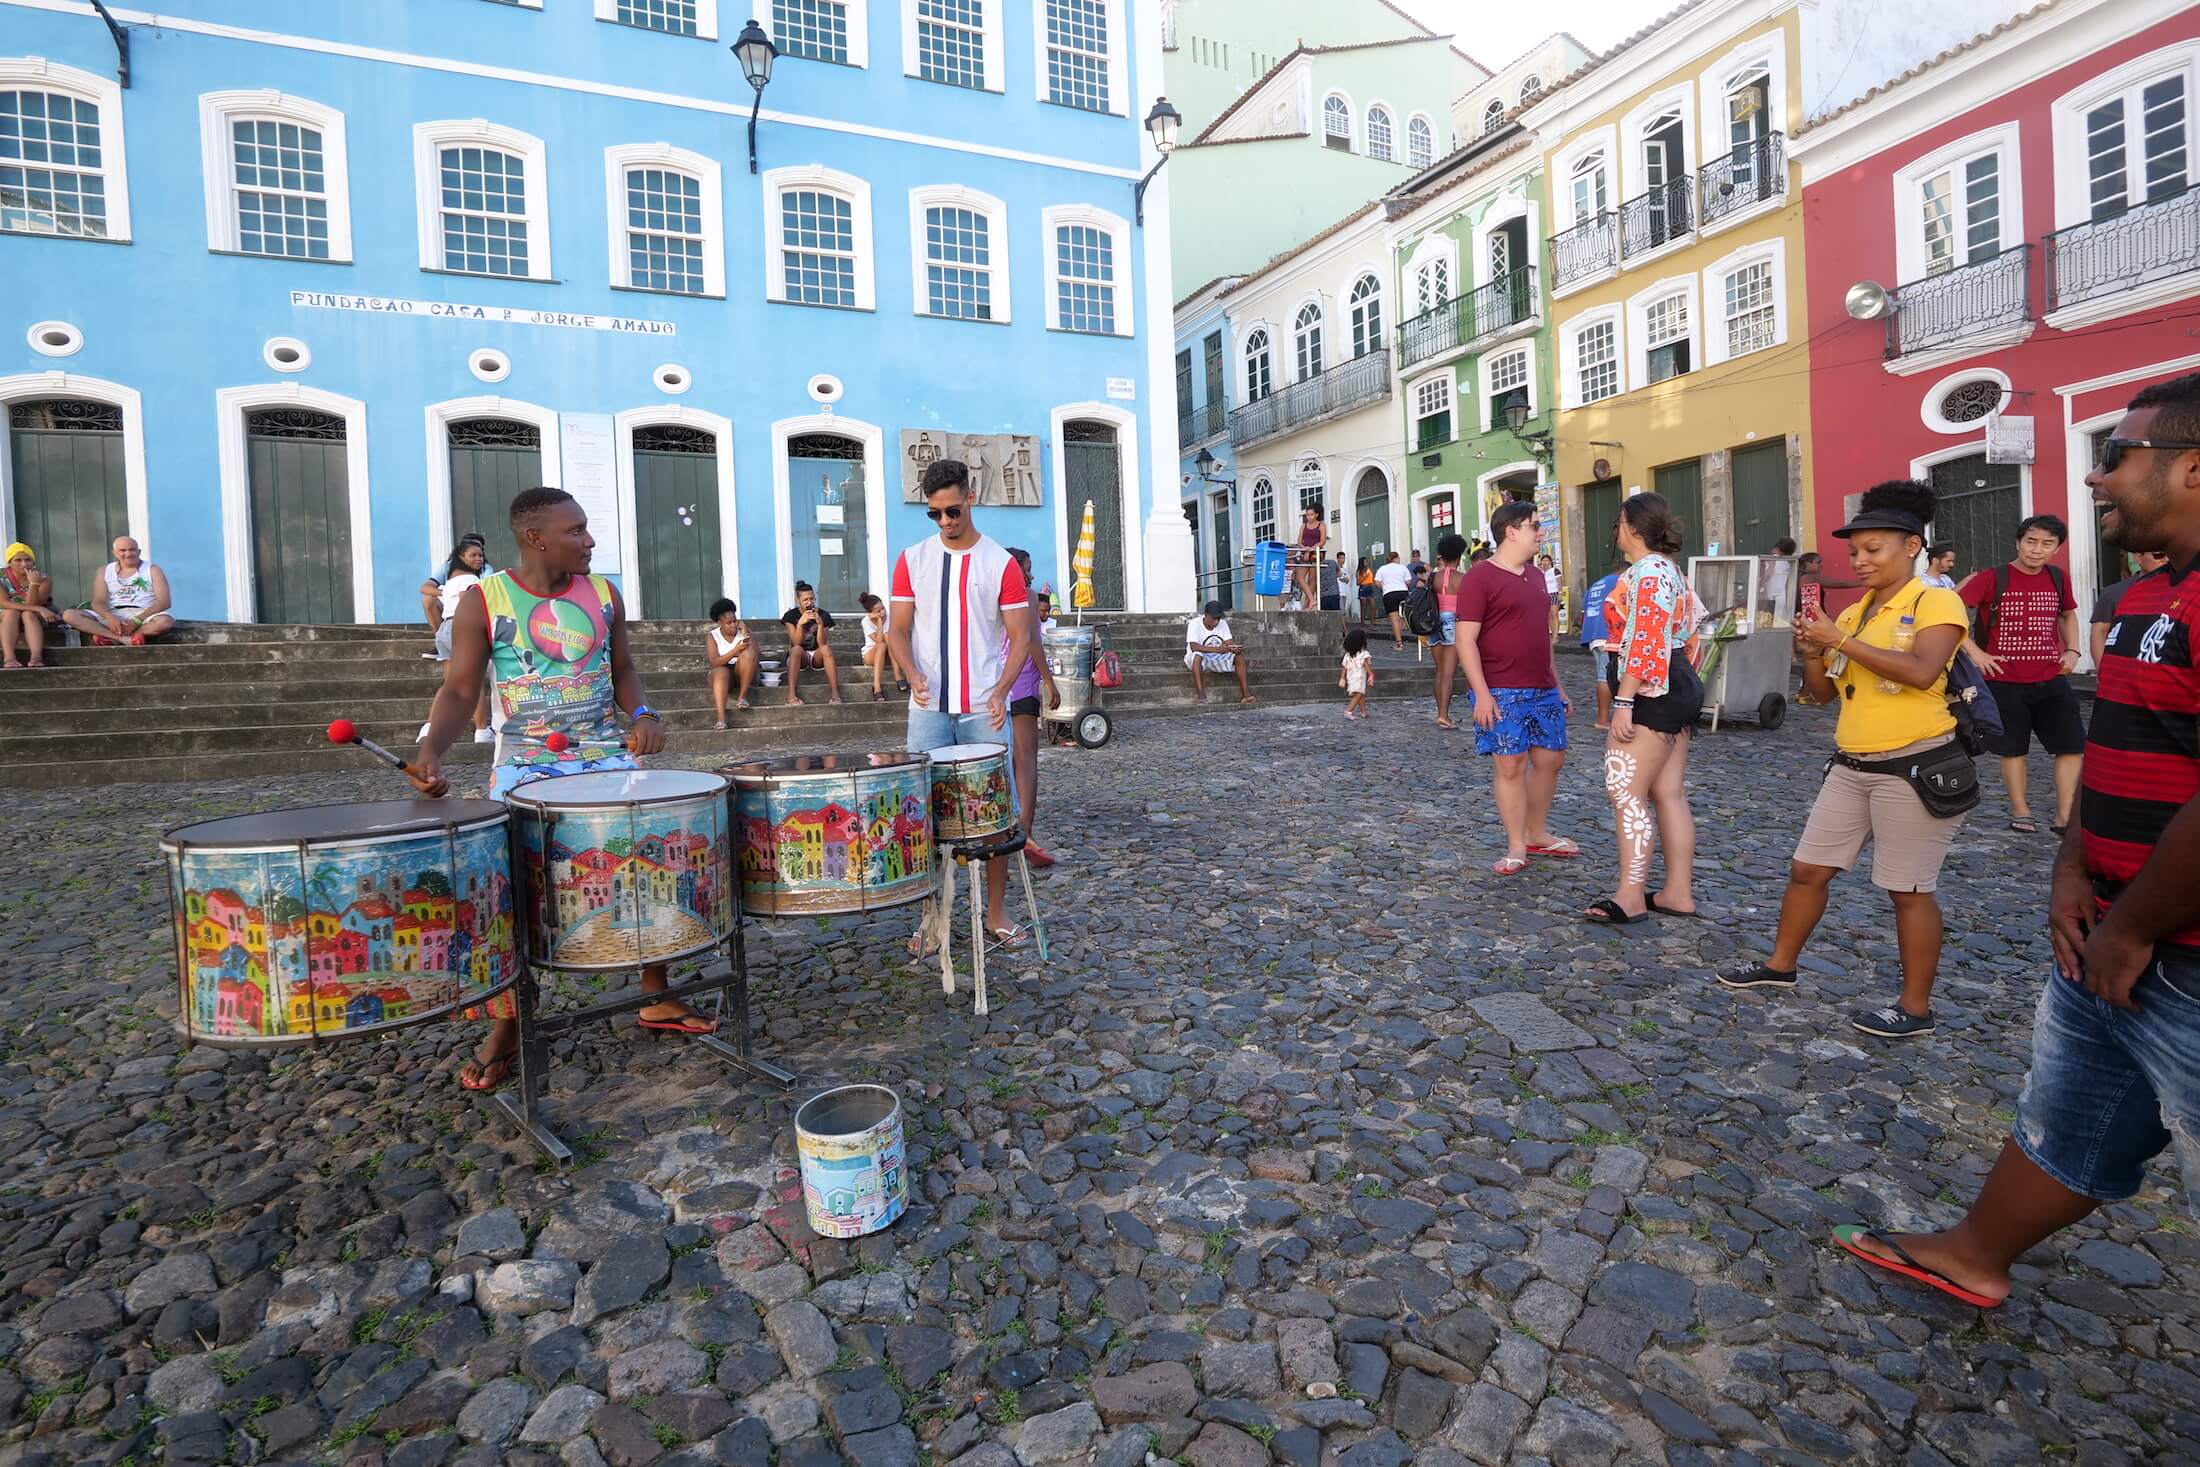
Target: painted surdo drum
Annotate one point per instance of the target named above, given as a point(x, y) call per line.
point(970, 792)
point(334, 921)
point(623, 868)
point(833, 833)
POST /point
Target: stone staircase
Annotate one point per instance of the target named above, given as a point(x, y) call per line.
point(222, 700)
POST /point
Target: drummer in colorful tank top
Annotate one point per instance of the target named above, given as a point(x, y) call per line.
point(555, 635)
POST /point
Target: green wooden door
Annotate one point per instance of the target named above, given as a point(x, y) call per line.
point(1599, 516)
point(1682, 486)
point(1371, 519)
point(676, 521)
point(1760, 498)
point(70, 500)
point(1093, 465)
point(1225, 580)
point(301, 516)
point(492, 459)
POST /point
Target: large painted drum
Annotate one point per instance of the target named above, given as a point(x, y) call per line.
point(970, 792)
point(833, 833)
point(623, 868)
point(336, 921)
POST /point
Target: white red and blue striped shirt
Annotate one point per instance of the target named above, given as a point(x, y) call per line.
point(960, 635)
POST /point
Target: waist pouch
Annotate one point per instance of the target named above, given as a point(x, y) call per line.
point(1945, 778)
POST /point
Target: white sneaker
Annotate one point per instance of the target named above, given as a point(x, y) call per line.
point(485, 735)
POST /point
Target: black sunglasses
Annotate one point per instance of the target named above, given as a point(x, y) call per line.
point(2112, 450)
point(952, 512)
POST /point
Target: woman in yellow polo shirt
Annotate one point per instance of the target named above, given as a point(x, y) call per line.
point(1884, 661)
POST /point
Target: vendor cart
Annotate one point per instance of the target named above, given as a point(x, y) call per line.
point(1749, 634)
point(1070, 653)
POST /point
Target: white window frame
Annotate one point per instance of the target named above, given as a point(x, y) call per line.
point(2073, 197)
point(1493, 116)
point(1529, 86)
point(1562, 177)
point(1485, 374)
point(1118, 79)
point(1768, 51)
point(1253, 520)
point(857, 192)
point(1909, 194)
point(1436, 248)
point(1351, 132)
point(429, 141)
point(990, 47)
point(217, 160)
point(1634, 132)
point(1352, 281)
point(706, 20)
point(106, 95)
point(1442, 377)
point(705, 172)
point(1434, 151)
point(956, 196)
point(1569, 394)
point(1311, 302)
point(1267, 334)
point(1638, 326)
point(1503, 211)
point(1119, 230)
point(1928, 406)
point(1391, 153)
point(1713, 333)
point(859, 35)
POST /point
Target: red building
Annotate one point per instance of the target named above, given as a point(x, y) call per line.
point(2028, 198)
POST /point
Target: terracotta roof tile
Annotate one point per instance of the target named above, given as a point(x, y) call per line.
point(1202, 289)
point(1927, 65)
point(1266, 137)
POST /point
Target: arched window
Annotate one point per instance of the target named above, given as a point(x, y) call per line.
point(1529, 86)
point(61, 154)
point(1264, 508)
point(663, 206)
point(817, 238)
point(1306, 335)
point(1379, 134)
point(1420, 142)
point(1591, 196)
point(1367, 315)
point(1493, 116)
point(1260, 377)
point(1337, 123)
point(1088, 270)
point(275, 171)
point(483, 199)
point(1312, 480)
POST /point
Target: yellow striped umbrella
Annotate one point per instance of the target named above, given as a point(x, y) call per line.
point(1080, 589)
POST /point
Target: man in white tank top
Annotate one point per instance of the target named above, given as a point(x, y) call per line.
point(129, 599)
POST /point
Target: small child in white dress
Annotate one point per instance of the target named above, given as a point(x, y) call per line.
point(1357, 674)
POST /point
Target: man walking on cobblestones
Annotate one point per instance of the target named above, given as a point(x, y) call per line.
point(1519, 710)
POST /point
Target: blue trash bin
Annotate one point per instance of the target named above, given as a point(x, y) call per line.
point(1269, 557)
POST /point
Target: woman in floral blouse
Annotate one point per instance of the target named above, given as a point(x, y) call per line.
point(1656, 697)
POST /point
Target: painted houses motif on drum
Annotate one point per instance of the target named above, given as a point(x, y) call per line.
point(656, 882)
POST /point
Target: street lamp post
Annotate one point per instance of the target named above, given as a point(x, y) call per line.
point(1161, 124)
point(1516, 418)
point(756, 51)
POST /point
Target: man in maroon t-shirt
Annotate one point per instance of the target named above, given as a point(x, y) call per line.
point(2115, 1073)
point(1504, 639)
point(2027, 645)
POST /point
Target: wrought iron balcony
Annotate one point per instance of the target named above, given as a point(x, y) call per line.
point(1500, 305)
point(2121, 252)
point(1746, 174)
point(1342, 388)
point(1658, 216)
point(1965, 303)
point(1206, 421)
point(1583, 250)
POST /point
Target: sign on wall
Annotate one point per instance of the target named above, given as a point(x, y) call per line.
point(1004, 467)
point(588, 452)
point(387, 305)
point(2009, 440)
point(1546, 515)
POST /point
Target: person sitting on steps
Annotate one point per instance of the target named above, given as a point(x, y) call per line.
point(1208, 648)
point(807, 623)
point(26, 606)
point(729, 652)
point(129, 602)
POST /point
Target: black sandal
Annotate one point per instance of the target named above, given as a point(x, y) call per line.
point(489, 1073)
point(1650, 906)
point(1609, 912)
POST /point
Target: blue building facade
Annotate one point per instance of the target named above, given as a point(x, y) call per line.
point(325, 284)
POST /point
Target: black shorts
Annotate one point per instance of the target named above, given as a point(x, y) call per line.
point(2049, 709)
point(1392, 600)
point(1677, 709)
point(1024, 707)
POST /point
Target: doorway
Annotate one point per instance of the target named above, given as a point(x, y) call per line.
point(1371, 517)
point(1599, 515)
point(1760, 498)
point(1979, 506)
point(676, 520)
point(69, 490)
point(1094, 471)
point(829, 502)
point(1682, 486)
point(1225, 581)
point(300, 488)
point(492, 459)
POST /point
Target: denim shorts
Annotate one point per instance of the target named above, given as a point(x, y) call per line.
point(1447, 629)
point(2109, 1088)
point(1527, 718)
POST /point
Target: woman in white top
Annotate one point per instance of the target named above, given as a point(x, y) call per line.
point(729, 652)
point(878, 656)
point(463, 571)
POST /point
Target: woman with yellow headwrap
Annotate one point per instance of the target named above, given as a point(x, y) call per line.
point(26, 598)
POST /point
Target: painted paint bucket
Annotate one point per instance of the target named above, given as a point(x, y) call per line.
point(849, 1140)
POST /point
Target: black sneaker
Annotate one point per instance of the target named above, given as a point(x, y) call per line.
point(1755, 975)
point(1893, 1022)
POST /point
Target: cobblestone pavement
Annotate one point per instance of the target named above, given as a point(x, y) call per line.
point(1313, 1143)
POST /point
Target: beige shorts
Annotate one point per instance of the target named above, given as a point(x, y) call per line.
point(1907, 844)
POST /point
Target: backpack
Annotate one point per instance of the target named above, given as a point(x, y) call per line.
point(1989, 615)
point(1977, 715)
point(1422, 618)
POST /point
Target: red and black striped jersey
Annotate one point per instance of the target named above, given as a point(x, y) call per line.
point(2142, 755)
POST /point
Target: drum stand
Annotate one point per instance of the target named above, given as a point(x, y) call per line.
point(955, 853)
point(537, 1029)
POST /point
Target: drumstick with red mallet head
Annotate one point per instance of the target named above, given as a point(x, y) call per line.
point(344, 731)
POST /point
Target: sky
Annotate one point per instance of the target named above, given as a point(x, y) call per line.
point(1493, 32)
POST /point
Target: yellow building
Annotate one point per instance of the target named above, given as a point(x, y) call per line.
point(1676, 266)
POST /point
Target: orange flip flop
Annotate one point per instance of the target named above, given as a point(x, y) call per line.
point(689, 1024)
point(1847, 1234)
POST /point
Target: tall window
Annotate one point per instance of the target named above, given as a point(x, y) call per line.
point(818, 247)
point(1077, 53)
point(484, 209)
point(1184, 385)
point(1379, 134)
point(1493, 116)
point(1337, 123)
point(1508, 384)
point(282, 189)
point(1751, 321)
point(958, 263)
point(1264, 508)
point(2137, 145)
point(1420, 142)
point(1432, 411)
point(816, 29)
point(664, 231)
point(1596, 353)
point(1591, 195)
point(951, 41)
point(1367, 315)
point(52, 164)
point(1665, 338)
point(1431, 286)
point(1306, 336)
point(676, 17)
point(1084, 278)
point(1961, 208)
point(1312, 483)
point(1260, 371)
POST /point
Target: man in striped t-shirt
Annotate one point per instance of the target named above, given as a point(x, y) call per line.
point(2116, 1039)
